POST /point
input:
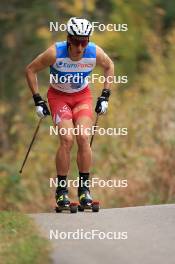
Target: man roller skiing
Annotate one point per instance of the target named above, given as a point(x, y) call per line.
point(71, 103)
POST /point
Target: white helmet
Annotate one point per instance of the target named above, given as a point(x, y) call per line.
point(79, 27)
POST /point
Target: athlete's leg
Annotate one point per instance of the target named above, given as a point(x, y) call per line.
point(84, 154)
point(82, 117)
point(62, 161)
point(63, 152)
point(84, 159)
point(62, 117)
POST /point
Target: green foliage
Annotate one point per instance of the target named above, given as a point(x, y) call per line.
point(168, 12)
point(20, 242)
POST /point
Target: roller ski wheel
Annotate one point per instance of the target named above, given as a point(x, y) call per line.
point(72, 207)
point(94, 206)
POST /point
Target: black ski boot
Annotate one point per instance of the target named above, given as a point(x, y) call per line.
point(86, 202)
point(62, 199)
point(85, 198)
point(83, 189)
point(61, 194)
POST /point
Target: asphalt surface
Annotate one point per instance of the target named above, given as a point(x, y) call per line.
point(149, 231)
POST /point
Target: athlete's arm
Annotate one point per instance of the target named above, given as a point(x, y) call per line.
point(103, 60)
point(41, 62)
point(106, 63)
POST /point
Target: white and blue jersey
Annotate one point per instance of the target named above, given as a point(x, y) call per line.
point(71, 76)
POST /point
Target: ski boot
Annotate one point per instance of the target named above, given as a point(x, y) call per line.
point(63, 202)
point(86, 202)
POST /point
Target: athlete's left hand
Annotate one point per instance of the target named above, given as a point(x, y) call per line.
point(102, 102)
point(101, 106)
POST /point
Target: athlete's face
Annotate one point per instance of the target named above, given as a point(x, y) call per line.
point(78, 44)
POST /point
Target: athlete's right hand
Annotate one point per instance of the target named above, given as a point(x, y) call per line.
point(41, 106)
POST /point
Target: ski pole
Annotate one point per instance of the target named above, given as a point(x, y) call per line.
point(96, 121)
point(34, 136)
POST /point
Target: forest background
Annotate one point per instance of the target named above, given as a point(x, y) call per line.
point(145, 105)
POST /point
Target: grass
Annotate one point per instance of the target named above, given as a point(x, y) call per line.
point(20, 242)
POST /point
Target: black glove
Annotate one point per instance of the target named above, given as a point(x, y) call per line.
point(102, 102)
point(41, 106)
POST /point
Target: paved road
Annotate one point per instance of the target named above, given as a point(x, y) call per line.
point(150, 235)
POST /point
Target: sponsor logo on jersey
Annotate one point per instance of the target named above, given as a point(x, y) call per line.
point(79, 65)
point(60, 64)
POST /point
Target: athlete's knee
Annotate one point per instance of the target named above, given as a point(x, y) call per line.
point(82, 140)
point(67, 141)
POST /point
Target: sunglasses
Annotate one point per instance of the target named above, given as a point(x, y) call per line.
point(77, 42)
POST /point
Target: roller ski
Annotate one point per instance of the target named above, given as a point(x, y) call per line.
point(86, 202)
point(63, 203)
